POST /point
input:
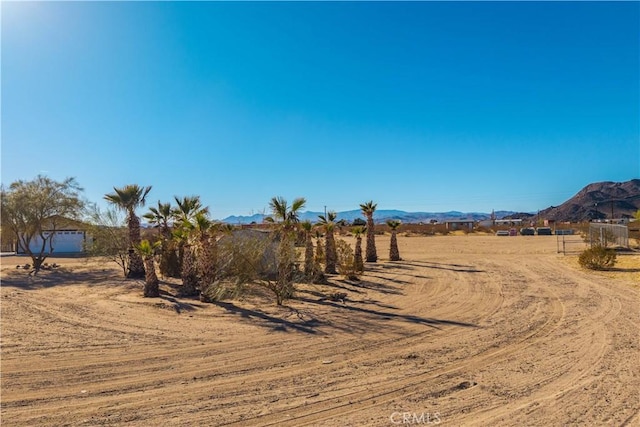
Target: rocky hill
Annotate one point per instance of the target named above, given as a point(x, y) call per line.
point(601, 200)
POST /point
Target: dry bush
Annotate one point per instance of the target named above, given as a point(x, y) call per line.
point(597, 258)
point(346, 260)
point(255, 258)
point(242, 259)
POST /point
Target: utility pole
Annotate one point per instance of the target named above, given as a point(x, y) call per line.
point(612, 211)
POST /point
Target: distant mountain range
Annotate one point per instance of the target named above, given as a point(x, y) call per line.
point(595, 201)
point(380, 216)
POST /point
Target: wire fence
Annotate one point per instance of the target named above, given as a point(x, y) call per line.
point(608, 235)
point(570, 243)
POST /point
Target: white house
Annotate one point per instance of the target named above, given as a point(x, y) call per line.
point(63, 242)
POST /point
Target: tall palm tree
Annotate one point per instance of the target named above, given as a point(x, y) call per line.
point(309, 265)
point(146, 250)
point(162, 218)
point(367, 210)
point(331, 258)
point(357, 255)
point(129, 198)
point(394, 253)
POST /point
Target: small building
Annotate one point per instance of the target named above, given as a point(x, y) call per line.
point(460, 224)
point(509, 222)
point(67, 241)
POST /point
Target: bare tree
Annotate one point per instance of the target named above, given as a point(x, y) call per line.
point(34, 210)
point(108, 237)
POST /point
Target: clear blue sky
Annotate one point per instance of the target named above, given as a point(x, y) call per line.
point(419, 106)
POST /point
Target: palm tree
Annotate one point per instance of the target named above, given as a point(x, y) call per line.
point(206, 245)
point(368, 209)
point(394, 253)
point(187, 209)
point(288, 219)
point(309, 265)
point(162, 217)
point(328, 224)
point(286, 215)
point(357, 256)
point(184, 215)
point(189, 269)
point(128, 199)
point(146, 251)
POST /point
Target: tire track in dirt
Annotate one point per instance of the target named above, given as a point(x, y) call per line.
point(152, 362)
point(526, 313)
point(350, 402)
point(581, 357)
point(128, 365)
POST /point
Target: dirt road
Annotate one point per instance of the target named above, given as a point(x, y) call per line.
point(466, 330)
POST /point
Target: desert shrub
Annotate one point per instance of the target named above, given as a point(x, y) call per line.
point(597, 258)
point(221, 290)
point(346, 260)
point(255, 258)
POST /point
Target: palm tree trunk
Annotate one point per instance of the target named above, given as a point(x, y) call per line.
point(357, 256)
point(136, 263)
point(189, 273)
point(208, 261)
point(319, 255)
point(308, 257)
point(330, 254)
point(372, 255)
point(286, 264)
point(394, 253)
point(151, 288)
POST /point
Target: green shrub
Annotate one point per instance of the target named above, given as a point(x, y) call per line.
point(597, 258)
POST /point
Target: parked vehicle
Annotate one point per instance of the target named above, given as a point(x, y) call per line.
point(544, 231)
point(528, 231)
point(502, 233)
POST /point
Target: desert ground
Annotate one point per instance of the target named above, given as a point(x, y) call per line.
point(466, 330)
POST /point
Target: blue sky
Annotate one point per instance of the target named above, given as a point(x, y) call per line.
point(419, 106)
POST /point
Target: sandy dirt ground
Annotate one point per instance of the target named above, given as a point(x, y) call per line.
point(466, 330)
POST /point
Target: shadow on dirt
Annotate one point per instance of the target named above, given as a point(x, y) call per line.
point(374, 286)
point(460, 268)
point(58, 277)
point(624, 270)
point(179, 306)
point(271, 322)
point(385, 315)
